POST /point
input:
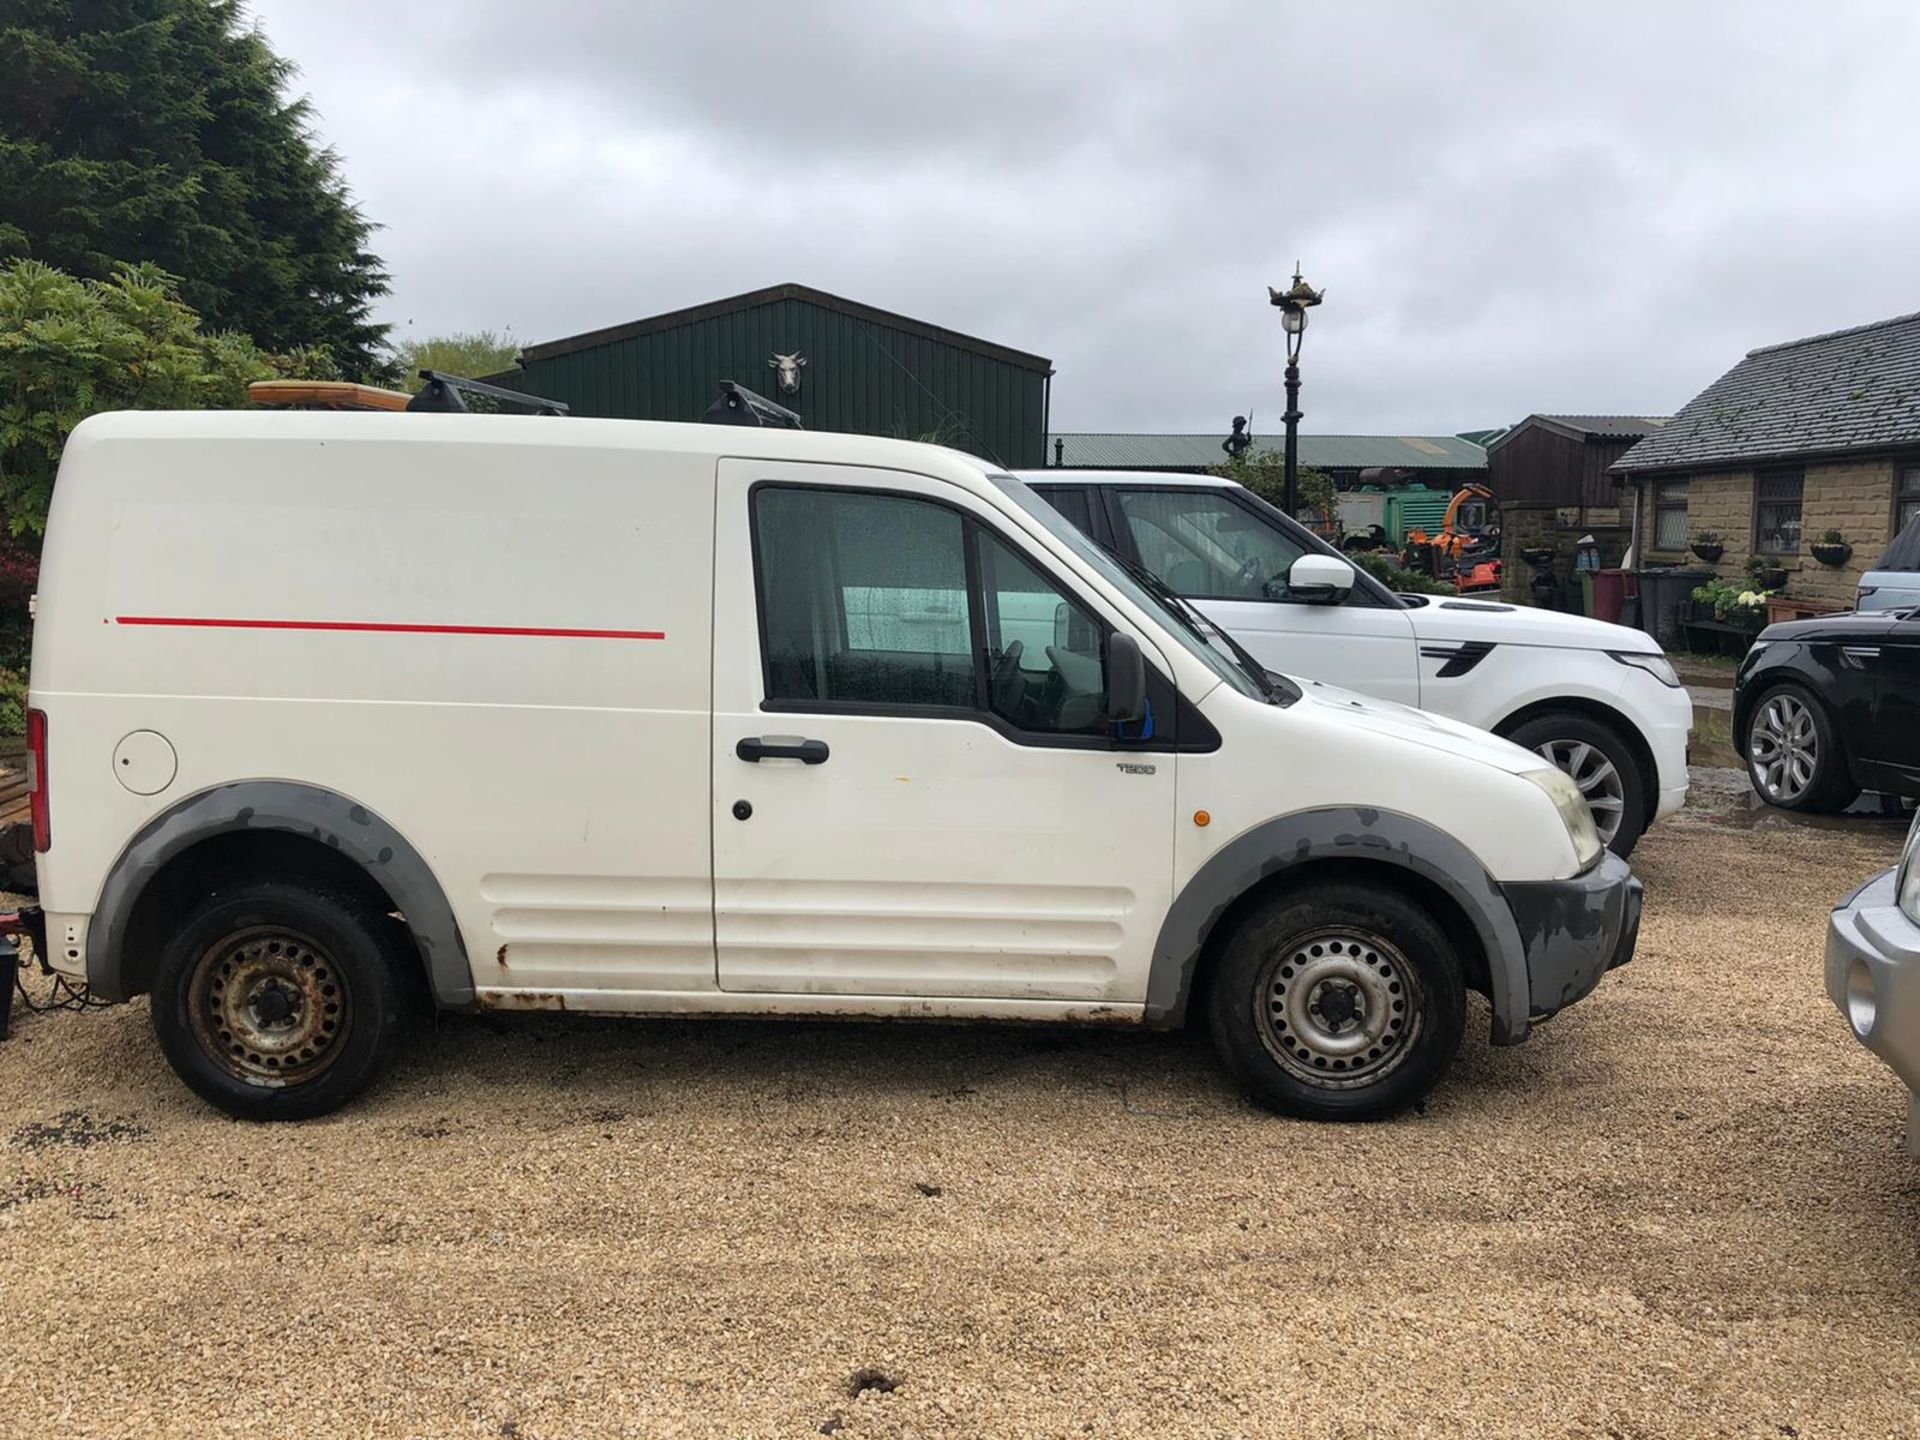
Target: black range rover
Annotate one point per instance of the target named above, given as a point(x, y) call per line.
point(1828, 707)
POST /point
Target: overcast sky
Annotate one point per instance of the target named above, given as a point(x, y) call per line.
point(1512, 207)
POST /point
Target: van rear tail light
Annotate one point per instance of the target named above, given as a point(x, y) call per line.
point(37, 778)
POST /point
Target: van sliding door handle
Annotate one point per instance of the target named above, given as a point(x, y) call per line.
point(808, 752)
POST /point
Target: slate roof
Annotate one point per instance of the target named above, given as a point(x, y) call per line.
point(1097, 451)
point(1855, 389)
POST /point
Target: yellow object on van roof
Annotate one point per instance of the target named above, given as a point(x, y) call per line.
point(326, 395)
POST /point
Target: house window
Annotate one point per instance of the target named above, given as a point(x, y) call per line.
point(1776, 511)
point(1670, 514)
point(1906, 496)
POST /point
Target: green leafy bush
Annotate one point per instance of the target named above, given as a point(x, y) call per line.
point(1395, 576)
point(1734, 604)
point(71, 347)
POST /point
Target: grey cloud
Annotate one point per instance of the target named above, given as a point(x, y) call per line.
point(1513, 206)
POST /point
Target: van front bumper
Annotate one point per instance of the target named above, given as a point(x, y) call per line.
point(1873, 977)
point(1573, 931)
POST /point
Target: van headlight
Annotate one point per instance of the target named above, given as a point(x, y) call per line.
point(1574, 813)
point(1907, 883)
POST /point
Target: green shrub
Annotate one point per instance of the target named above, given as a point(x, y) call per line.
point(1395, 576)
point(69, 348)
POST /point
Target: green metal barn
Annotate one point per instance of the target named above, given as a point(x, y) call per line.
point(860, 369)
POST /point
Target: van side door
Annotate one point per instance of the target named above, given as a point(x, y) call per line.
point(915, 790)
point(1222, 550)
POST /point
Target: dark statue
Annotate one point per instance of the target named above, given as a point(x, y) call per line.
point(1236, 444)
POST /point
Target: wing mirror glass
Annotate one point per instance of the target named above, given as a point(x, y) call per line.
point(1319, 580)
point(1126, 680)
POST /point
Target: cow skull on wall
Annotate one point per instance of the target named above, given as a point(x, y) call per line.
point(787, 368)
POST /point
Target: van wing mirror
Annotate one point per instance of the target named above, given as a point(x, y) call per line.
point(1126, 680)
point(1319, 580)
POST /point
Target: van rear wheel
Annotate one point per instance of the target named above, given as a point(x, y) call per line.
point(274, 1001)
point(1338, 1001)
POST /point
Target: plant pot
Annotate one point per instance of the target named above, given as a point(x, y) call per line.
point(1834, 555)
point(1771, 578)
point(1710, 553)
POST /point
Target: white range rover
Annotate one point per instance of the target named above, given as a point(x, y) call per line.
point(1601, 701)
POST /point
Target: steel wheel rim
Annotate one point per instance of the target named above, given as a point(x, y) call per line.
point(1339, 1008)
point(1601, 784)
point(270, 1006)
point(1783, 748)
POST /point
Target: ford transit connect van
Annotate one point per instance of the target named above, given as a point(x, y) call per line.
point(605, 716)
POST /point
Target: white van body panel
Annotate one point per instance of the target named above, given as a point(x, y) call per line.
point(1011, 870)
point(530, 645)
point(555, 782)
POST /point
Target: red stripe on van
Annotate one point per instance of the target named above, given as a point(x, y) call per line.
point(378, 627)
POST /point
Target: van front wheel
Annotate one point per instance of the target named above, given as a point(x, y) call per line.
point(278, 1002)
point(1338, 1002)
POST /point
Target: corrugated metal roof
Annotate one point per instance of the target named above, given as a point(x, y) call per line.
point(1585, 427)
point(1609, 427)
point(1856, 389)
point(1107, 451)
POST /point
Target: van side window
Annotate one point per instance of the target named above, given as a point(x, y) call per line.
point(1203, 545)
point(1045, 656)
point(863, 598)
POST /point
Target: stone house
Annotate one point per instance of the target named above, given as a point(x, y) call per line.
point(1797, 439)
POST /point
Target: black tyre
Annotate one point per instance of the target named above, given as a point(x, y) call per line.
point(1599, 760)
point(275, 1001)
point(1337, 1001)
point(1793, 753)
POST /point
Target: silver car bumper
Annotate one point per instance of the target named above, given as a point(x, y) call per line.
point(1873, 976)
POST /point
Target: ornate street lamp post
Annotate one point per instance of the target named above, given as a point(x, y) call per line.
point(1294, 304)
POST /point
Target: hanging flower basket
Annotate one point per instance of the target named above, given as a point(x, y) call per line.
point(1835, 555)
point(1538, 555)
point(1709, 552)
point(1770, 577)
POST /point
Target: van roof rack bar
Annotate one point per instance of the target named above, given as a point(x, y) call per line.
point(442, 395)
point(738, 405)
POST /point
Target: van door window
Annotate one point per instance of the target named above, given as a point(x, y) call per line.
point(1045, 657)
point(1204, 546)
point(863, 599)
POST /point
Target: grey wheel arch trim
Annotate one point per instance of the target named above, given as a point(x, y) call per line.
point(1364, 837)
point(281, 805)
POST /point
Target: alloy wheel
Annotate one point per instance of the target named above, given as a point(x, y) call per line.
point(1784, 748)
point(1599, 780)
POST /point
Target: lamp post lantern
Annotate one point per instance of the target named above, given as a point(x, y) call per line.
point(1293, 304)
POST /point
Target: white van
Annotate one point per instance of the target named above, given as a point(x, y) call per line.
point(604, 716)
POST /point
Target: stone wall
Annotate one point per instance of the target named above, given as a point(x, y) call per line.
point(1855, 498)
point(1522, 527)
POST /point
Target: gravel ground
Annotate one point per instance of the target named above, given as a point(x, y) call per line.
point(1683, 1208)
